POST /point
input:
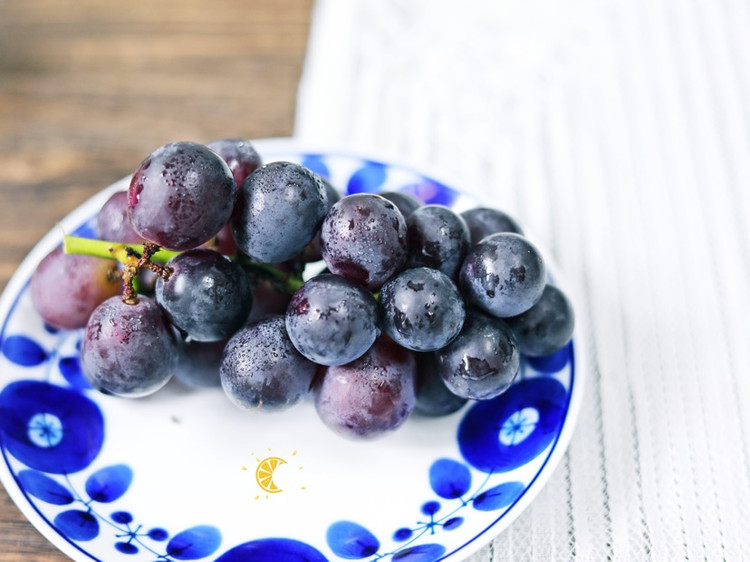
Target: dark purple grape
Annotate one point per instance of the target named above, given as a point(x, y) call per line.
point(278, 212)
point(482, 361)
point(66, 288)
point(437, 238)
point(547, 326)
point(240, 155)
point(405, 202)
point(483, 221)
point(422, 309)
point(181, 196)
point(364, 239)
point(112, 222)
point(262, 370)
point(504, 275)
point(332, 320)
point(370, 396)
point(433, 398)
point(128, 350)
point(199, 363)
point(207, 296)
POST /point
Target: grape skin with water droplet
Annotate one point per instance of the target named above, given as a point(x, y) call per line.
point(128, 350)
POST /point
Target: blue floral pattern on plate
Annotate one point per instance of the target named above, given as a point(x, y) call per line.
point(60, 457)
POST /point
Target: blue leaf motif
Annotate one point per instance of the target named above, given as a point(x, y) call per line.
point(449, 479)
point(194, 543)
point(126, 547)
point(70, 368)
point(109, 483)
point(43, 487)
point(351, 540)
point(499, 496)
point(367, 179)
point(24, 351)
point(77, 525)
point(453, 523)
point(432, 192)
point(431, 508)
point(552, 363)
point(314, 163)
point(420, 553)
point(273, 550)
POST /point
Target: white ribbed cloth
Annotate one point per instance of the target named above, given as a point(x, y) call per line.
point(618, 132)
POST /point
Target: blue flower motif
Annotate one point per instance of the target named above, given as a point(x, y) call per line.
point(493, 436)
point(50, 428)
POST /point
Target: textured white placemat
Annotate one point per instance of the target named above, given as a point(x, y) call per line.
point(619, 132)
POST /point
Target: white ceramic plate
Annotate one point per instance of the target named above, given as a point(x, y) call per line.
point(173, 476)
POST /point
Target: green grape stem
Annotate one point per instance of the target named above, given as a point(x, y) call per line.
point(148, 255)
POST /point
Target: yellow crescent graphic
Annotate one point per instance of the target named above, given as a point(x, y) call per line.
point(264, 474)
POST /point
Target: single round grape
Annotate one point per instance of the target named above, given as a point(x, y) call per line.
point(483, 221)
point(332, 320)
point(482, 361)
point(240, 155)
point(128, 350)
point(278, 212)
point(364, 239)
point(437, 238)
point(422, 309)
point(66, 288)
point(262, 370)
point(207, 296)
point(113, 223)
point(547, 326)
point(199, 363)
point(405, 202)
point(433, 398)
point(181, 196)
point(370, 396)
point(504, 275)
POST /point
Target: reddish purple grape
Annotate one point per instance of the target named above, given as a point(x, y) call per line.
point(363, 238)
point(128, 350)
point(113, 223)
point(370, 396)
point(66, 288)
point(181, 196)
point(240, 155)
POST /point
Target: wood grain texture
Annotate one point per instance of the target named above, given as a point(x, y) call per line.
point(89, 88)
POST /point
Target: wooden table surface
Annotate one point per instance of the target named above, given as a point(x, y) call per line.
point(89, 88)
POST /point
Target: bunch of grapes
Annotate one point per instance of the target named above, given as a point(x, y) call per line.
point(417, 308)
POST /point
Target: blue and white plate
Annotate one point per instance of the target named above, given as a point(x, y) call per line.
point(185, 475)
